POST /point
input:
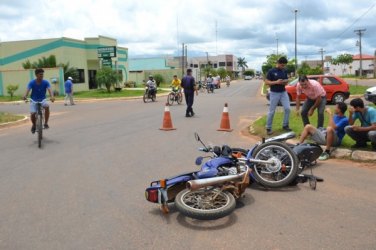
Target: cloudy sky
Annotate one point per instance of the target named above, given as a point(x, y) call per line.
point(245, 28)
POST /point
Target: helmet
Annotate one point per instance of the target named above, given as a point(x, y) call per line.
point(150, 77)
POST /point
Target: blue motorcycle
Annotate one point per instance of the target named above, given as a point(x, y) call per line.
point(211, 192)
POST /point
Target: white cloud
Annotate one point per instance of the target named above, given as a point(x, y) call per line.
point(246, 28)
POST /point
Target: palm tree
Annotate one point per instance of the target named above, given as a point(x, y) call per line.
point(242, 63)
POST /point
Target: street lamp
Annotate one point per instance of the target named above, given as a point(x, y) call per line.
point(296, 59)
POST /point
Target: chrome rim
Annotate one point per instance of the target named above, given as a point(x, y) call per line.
point(205, 199)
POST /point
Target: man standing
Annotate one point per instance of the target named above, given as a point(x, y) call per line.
point(277, 79)
point(316, 98)
point(367, 130)
point(38, 88)
point(189, 86)
point(333, 134)
point(68, 91)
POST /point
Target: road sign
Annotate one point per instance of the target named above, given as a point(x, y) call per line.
point(108, 51)
point(107, 62)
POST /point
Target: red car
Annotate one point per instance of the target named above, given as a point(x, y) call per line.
point(337, 89)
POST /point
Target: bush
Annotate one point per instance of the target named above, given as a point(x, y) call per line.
point(11, 89)
point(130, 84)
point(158, 79)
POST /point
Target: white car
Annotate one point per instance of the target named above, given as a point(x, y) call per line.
point(247, 77)
point(370, 95)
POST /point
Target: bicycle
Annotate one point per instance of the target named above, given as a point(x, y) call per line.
point(175, 96)
point(39, 119)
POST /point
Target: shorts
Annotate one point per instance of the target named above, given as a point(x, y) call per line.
point(320, 137)
point(33, 106)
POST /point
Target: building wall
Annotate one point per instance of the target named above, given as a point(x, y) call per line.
point(79, 54)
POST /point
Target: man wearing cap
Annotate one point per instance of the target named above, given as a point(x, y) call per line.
point(68, 91)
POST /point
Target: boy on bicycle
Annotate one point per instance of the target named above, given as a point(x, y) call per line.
point(38, 88)
point(175, 84)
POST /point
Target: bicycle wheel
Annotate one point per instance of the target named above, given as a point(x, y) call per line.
point(170, 99)
point(180, 98)
point(40, 128)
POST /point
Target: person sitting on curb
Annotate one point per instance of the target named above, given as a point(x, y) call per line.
point(367, 131)
point(333, 134)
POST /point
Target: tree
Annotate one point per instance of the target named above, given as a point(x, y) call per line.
point(250, 72)
point(242, 63)
point(222, 73)
point(50, 62)
point(305, 69)
point(107, 77)
point(342, 60)
point(271, 61)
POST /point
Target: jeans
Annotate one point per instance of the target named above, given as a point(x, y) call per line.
point(189, 98)
point(320, 111)
point(275, 98)
point(361, 137)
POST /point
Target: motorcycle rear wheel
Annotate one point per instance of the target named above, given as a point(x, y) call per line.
point(200, 205)
point(282, 172)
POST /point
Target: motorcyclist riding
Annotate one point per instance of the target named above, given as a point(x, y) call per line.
point(152, 85)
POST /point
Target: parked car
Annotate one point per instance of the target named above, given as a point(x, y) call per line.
point(370, 95)
point(247, 77)
point(337, 89)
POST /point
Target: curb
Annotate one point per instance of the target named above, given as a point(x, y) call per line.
point(11, 124)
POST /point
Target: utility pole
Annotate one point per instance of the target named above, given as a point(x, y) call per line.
point(322, 59)
point(186, 57)
point(296, 54)
point(360, 32)
point(182, 61)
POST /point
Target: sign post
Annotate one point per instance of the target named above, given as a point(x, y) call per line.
point(106, 53)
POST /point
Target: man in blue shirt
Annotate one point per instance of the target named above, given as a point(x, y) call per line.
point(68, 91)
point(333, 134)
point(277, 79)
point(367, 131)
point(38, 88)
point(189, 86)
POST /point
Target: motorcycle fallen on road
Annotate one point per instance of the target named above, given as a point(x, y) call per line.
point(211, 192)
point(307, 154)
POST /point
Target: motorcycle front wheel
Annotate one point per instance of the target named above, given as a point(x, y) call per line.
point(205, 204)
point(145, 97)
point(283, 169)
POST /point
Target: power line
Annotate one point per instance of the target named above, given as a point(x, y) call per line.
point(356, 20)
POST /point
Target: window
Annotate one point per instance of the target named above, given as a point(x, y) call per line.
point(195, 65)
point(81, 76)
point(191, 65)
point(222, 64)
point(330, 81)
point(215, 65)
point(229, 64)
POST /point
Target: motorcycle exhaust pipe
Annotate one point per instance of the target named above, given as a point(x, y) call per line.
point(197, 184)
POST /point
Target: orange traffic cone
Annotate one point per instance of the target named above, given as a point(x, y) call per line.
point(225, 122)
point(167, 123)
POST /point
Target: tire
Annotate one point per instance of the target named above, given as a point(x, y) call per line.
point(187, 203)
point(170, 99)
point(180, 98)
point(145, 97)
point(338, 97)
point(282, 172)
point(40, 130)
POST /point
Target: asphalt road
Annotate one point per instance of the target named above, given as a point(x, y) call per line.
point(85, 188)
